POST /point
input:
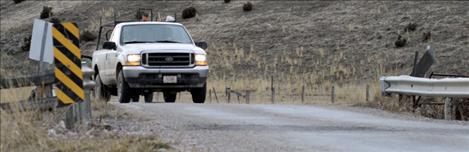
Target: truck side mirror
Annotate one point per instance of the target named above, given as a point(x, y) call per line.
point(109, 45)
point(202, 45)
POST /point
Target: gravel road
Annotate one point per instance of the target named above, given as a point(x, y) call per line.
point(241, 127)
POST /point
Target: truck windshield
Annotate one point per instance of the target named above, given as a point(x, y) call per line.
point(154, 33)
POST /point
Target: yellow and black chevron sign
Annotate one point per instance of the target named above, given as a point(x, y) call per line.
point(67, 58)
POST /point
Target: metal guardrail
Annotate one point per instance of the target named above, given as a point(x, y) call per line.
point(28, 105)
point(48, 103)
point(45, 79)
point(35, 80)
point(446, 87)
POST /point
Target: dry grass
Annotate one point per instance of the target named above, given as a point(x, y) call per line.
point(44, 131)
point(241, 69)
point(26, 132)
point(15, 94)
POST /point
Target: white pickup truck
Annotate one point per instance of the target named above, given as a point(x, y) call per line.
point(145, 57)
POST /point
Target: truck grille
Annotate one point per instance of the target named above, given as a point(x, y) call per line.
point(168, 59)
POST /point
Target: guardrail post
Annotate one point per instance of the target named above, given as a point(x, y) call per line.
point(88, 84)
point(81, 111)
point(450, 108)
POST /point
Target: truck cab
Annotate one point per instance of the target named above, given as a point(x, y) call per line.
point(140, 58)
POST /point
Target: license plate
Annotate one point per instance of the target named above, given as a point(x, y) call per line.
point(170, 79)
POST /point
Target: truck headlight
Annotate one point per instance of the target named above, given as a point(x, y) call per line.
point(201, 59)
point(133, 59)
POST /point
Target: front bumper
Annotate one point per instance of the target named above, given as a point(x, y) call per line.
point(152, 78)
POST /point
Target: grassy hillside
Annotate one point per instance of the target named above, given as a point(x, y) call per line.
point(330, 40)
point(314, 43)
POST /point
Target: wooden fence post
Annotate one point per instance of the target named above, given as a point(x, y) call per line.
point(215, 93)
point(333, 94)
point(303, 94)
point(272, 89)
point(248, 93)
point(210, 95)
point(228, 94)
point(367, 95)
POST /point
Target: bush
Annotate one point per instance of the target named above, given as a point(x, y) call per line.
point(189, 12)
point(227, 1)
point(18, 1)
point(247, 7)
point(46, 12)
point(87, 36)
point(26, 44)
point(400, 42)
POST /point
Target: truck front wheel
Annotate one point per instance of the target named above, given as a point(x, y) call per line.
point(198, 94)
point(123, 89)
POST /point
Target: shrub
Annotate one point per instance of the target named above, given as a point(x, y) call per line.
point(26, 44)
point(46, 12)
point(18, 1)
point(189, 12)
point(227, 1)
point(400, 42)
point(247, 7)
point(87, 36)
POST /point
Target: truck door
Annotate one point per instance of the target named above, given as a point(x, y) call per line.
point(112, 64)
point(111, 58)
point(101, 60)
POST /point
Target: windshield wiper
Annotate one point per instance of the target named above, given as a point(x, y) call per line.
point(167, 41)
point(130, 42)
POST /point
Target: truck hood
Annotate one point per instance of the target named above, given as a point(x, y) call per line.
point(162, 47)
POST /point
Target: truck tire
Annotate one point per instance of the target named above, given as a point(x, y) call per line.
point(100, 92)
point(198, 94)
point(148, 97)
point(123, 89)
point(169, 97)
